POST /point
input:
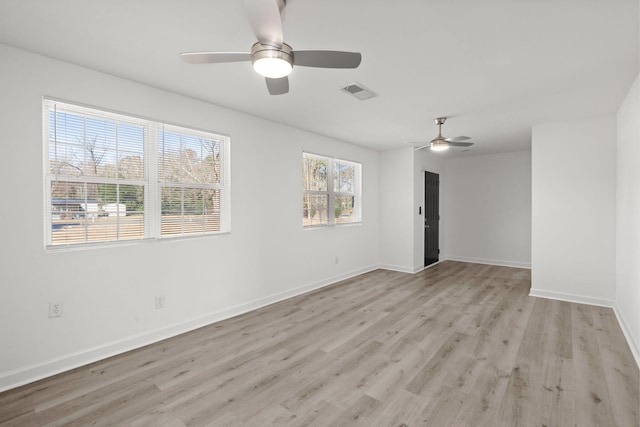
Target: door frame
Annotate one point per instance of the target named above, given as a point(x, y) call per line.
point(431, 220)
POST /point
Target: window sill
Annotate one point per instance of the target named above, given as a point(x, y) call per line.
point(325, 226)
point(73, 247)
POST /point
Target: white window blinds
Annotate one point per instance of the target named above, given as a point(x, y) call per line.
point(112, 177)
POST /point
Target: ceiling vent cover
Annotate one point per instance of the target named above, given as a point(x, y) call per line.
point(358, 90)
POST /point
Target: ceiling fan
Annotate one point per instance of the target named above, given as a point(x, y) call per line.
point(440, 143)
point(271, 56)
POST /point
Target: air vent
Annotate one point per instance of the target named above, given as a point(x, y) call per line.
point(358, 90)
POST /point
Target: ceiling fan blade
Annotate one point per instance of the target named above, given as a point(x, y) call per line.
point(326, 58)
point(277, 86)
point(422, 147)
point(214, 57)
point(460, 144)
point(457, 138)
point(266, 20)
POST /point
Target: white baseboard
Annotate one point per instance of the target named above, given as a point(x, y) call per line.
point(593, 301)
point(398, 268)
point(501, 263)
point(421, 268)
point(580, 299)
point(410, 270)
point(33, 373)
point(634, 346)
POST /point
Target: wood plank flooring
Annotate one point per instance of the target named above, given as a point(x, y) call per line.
point(456, 345)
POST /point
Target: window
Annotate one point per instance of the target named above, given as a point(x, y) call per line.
point(111, 177)
point(189, 175)
point(331, 191)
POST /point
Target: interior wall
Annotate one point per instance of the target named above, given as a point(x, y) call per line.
point(628, 218)
point(573, 210)
point(396, 210)
point(488, 207)
point(108, 292)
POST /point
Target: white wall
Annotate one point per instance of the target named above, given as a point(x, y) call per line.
point(396, 210)
point(495, 188)
point(574, 210)
point(488, 207)
point(401, 196)
point(108, 293)
point(628, 218)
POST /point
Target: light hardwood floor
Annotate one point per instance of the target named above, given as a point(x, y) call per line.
point(455, 345)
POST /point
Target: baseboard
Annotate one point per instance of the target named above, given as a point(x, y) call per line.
point(501, 263)
point(410, 270)
point(594, 301)
point(431, 265)
point(37, 372)
point(580, 299)
point(635, 350)
point(541, 293)
point(398, 268)
point(422, 268)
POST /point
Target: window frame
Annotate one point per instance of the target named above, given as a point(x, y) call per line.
point(222, 185)
point(331, 193)
point(152, 206)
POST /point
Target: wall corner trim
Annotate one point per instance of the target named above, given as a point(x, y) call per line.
point(635, 350)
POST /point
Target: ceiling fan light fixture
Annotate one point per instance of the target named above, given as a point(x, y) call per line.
point(439, 146)
point(272, 62)
point(273, 68)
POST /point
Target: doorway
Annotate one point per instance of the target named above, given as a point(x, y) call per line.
point(431, 217)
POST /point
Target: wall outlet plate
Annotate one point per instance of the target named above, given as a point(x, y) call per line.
point(159, 302)
point(56, 309)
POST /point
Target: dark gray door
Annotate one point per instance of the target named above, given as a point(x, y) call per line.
point(431, 217)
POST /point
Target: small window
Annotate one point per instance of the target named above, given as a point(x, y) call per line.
point(331, 191)
point(101, 185)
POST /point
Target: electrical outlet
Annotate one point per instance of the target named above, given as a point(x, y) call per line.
point(56, 309)
point(159, 302)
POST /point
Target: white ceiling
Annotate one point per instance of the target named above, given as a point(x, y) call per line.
point(495, 67)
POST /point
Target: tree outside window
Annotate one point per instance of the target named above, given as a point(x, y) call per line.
point(113, 177)
point(331, 191)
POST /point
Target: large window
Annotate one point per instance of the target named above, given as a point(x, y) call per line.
point(111, 177)
point(331, 191)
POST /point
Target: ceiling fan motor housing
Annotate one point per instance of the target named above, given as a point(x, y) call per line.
point(438, 143)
